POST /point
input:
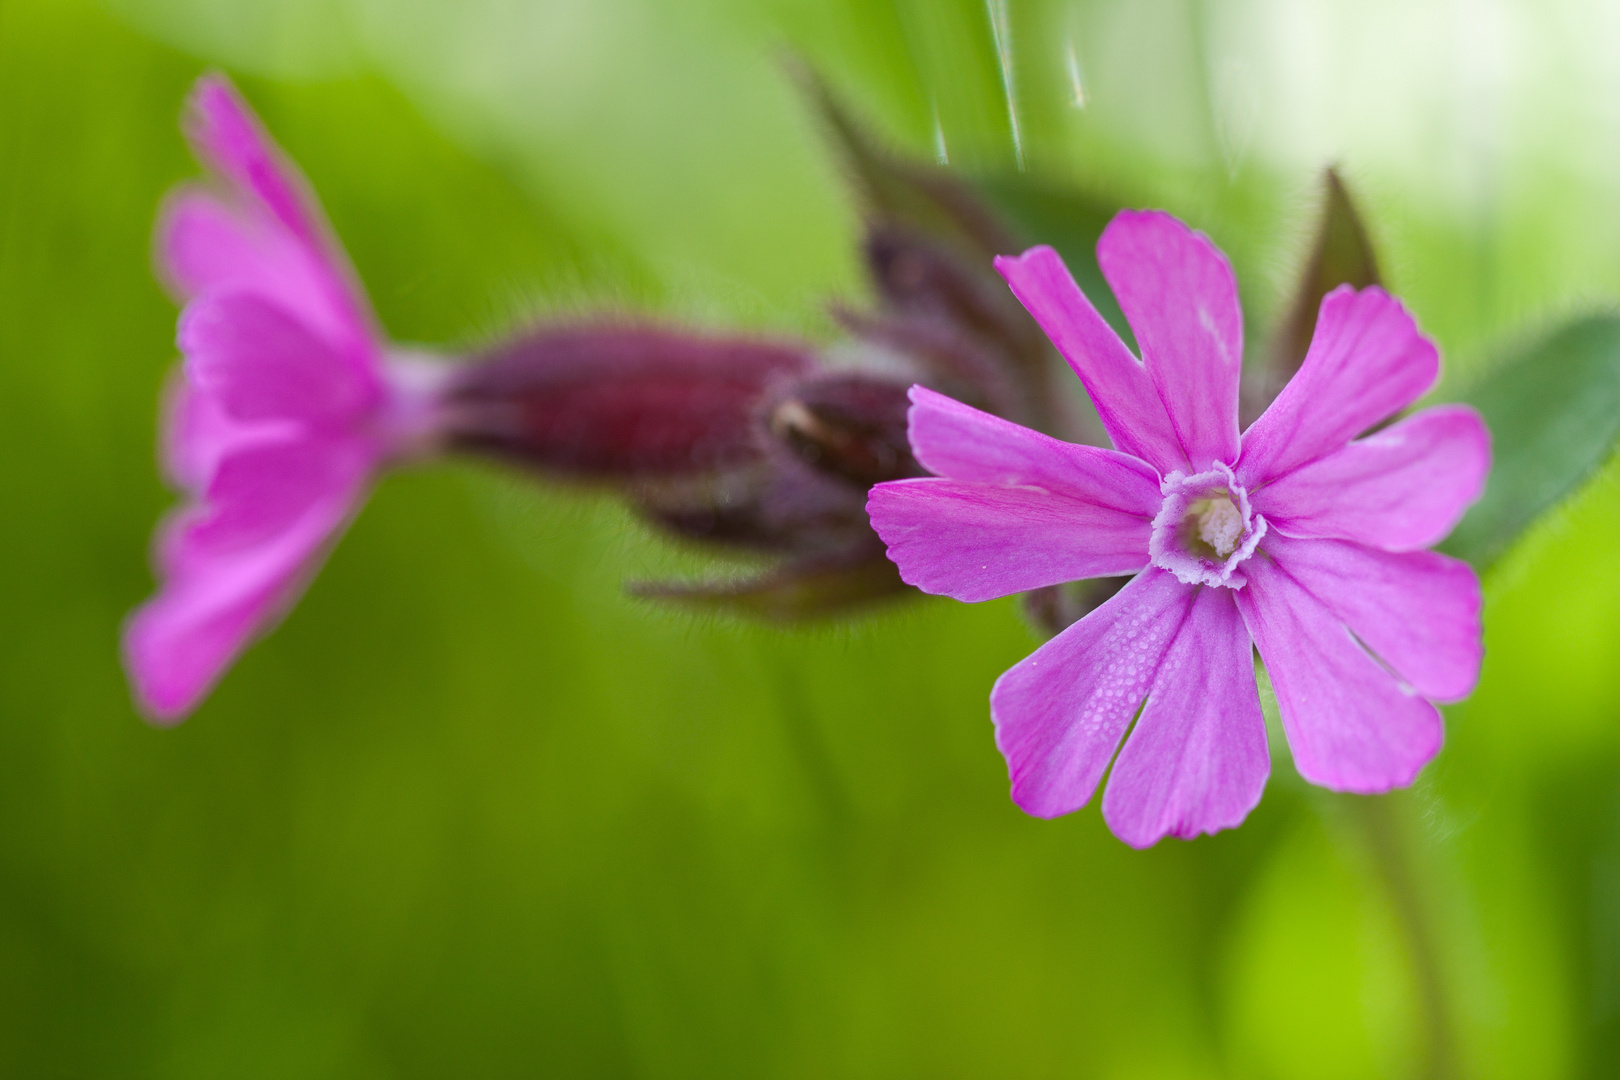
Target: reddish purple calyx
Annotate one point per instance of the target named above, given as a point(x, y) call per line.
point(613, 402)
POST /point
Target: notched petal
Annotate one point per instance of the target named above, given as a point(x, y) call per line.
point(1402, 489)
point(1127, 403)
point(1196, 760)
point(1351, 724)
point(1179, 294)
point(1367, 362)
point(1061, 711)
point(977, 542)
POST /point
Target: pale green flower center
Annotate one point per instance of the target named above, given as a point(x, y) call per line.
point(1217, 522)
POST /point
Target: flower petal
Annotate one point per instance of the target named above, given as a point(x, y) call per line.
point(1419, 611)
point(206, 243)
point(1061, 711)
point(954, 440)
point(263, 494)
point(1196, 762)
point(261, 363)
point(1401, 490)
point(234, 566)
point(1016, 510)
point(197, 434)
point(1367, 362)
point(980, 541)
point(1178, 293)
point(1350, 724)
point(1129, 406)
point(281, 214)
point(178, 644)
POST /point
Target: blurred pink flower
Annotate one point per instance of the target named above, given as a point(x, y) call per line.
point(1296, 538)
point(283, 409)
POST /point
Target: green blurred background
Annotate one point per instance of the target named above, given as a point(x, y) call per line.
point(472, 812)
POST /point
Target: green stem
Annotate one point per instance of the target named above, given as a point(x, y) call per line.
point(1376, 819)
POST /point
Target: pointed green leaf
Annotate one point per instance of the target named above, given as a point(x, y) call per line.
point(1340, 255)
point(1554, 414)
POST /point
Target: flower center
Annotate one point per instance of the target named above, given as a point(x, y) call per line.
point(1217, 523)
point(1205, 530)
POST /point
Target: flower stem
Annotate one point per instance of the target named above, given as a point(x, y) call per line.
point(1377, 820)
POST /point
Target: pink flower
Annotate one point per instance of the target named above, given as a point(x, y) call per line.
point(1295, 537)
point(282, 412)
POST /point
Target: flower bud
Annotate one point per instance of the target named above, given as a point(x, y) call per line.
point(954, 321)
point(771, 447)
point(730, 442)
point(777, 504)
point(619, 403)
point(850, 425)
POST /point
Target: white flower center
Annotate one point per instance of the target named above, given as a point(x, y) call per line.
point(1205, 530)
point(1219, 523)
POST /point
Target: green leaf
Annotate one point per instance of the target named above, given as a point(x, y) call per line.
point(1340, 255)
point(1554, 415)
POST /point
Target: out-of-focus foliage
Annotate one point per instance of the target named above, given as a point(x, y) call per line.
point(1554, 412)
point(473, 812)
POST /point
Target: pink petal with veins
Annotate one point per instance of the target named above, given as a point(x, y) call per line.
point(1401, 489)
point(1177, 292)
point(1196, 761)
point(1367, 362)
point(1061, 711)
point(1352, 725)
point(235, 564)
point(1127, 402)
point(1015, 509)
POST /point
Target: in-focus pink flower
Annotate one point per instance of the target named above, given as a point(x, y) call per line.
point(283, 409)
point(1295, 537)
